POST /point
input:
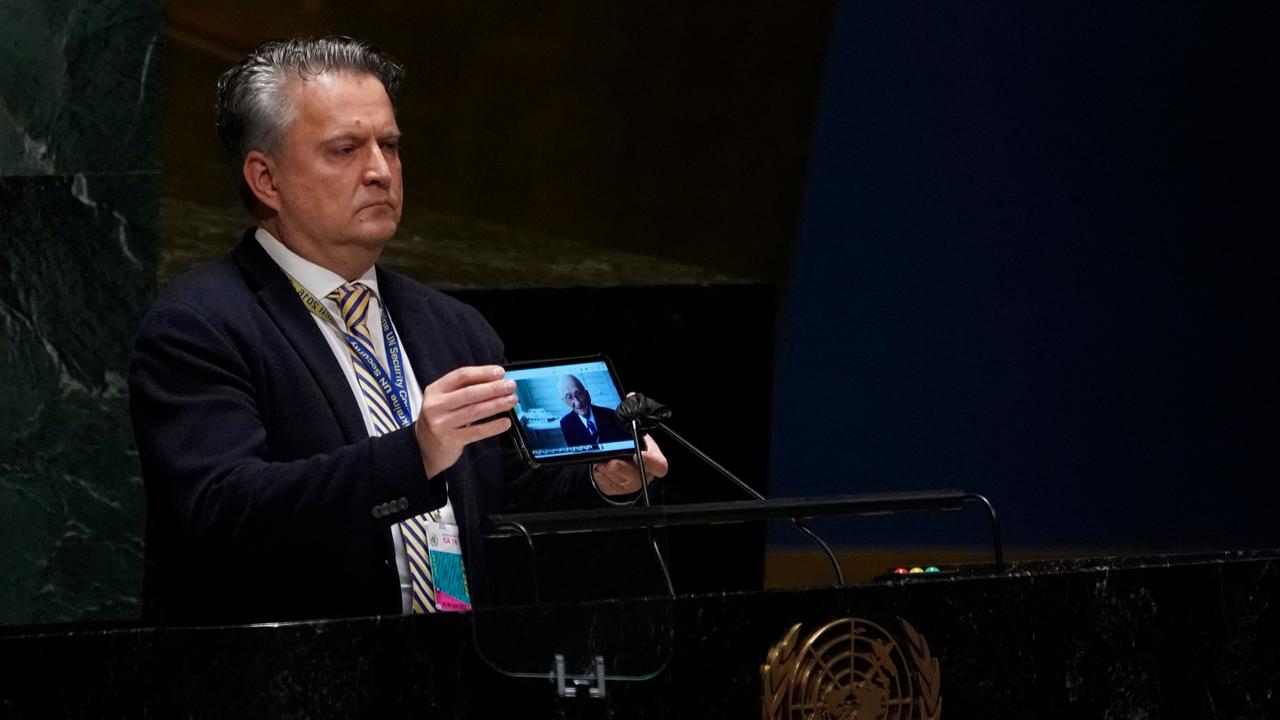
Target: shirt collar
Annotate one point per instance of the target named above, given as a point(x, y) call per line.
point(318, 281)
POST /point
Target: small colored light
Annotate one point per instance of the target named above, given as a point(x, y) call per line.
point(900, 571)
point(915, 570)
point(932, 568)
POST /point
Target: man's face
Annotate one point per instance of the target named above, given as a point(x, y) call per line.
point(338, 168)
point(576, 397)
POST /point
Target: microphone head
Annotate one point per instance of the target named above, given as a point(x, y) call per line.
point(639, 407)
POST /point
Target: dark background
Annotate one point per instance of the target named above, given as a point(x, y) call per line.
point(539, 132)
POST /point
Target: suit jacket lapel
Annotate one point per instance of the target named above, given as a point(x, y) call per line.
point(281, 303)
point(408, 316)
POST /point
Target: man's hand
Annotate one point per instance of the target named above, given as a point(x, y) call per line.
point(622, 477)
point(449, 407)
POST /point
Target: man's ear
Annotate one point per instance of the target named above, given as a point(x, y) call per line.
point(260, 174)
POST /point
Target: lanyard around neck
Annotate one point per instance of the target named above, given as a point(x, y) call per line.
point(394, 388)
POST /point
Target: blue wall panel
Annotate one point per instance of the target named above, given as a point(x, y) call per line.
point(1037, 260)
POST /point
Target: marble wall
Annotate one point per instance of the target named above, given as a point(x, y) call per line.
point(78, 164)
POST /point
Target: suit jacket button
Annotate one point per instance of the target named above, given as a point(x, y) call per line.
point(402, 504)
point(377, 511)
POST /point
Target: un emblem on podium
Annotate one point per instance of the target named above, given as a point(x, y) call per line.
point(852, 669)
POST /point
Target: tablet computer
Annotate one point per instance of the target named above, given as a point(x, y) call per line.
point(564, 411)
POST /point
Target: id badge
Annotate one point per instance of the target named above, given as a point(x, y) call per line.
point(445, 553)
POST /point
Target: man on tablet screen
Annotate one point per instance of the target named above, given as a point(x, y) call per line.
point(587, 424)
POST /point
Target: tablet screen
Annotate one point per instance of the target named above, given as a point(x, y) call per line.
point(565, 410)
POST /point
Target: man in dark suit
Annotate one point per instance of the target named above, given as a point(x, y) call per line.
point(306, 420)
point(587, 424)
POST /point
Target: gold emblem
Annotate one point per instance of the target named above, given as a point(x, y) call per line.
point(852, 669)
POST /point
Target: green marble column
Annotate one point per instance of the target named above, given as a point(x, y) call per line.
point(78, 166)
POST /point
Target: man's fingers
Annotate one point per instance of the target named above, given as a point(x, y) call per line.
point(468, 414)
point(473, 394)
point(617, 470)
point(464, 376)
point(472, 433)
point(623, 473)
point(612, 477)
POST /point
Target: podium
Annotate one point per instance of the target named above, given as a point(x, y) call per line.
point(1173, 636)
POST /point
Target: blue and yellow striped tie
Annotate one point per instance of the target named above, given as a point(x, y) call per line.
point(353, 300)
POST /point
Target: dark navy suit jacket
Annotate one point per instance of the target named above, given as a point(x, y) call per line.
point(266, 499)
point(608, 429)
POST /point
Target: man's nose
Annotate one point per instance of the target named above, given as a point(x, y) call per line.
point(377, 169)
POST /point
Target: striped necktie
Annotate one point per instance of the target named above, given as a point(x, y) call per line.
point(353, 300)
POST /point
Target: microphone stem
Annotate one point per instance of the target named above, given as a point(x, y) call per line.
point(644, 494)
point(826, 549)
point(644, 479)
point(707, 459)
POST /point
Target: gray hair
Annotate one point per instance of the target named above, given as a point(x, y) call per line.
point(253, 108)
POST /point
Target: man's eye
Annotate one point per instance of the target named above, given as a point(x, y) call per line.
point(390, 146)
point(344, 150)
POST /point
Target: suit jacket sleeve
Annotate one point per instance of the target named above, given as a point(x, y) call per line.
point(205, 450)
